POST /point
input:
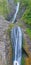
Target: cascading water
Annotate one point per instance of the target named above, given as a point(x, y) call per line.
point(17, 9)
point(16, 38)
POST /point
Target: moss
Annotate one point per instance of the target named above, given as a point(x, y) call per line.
point(12, 25)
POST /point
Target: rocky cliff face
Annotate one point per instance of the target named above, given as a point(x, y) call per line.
point(5, 46)
point(12, 8)
point(8, 50)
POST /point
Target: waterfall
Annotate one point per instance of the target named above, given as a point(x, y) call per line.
point(16, 38)
point(17, 9)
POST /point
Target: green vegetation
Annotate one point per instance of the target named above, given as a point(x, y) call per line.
point(28, 30)
point(4, 7)
point(1, 8)
point(23, 60)
point(16, 1)
point(12, 25)
point(27, 14)
point(26, 18)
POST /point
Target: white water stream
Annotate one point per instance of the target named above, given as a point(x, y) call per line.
point(16, 36)
point(17, 9)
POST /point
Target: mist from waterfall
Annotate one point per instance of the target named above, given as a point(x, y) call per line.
point(16, 37)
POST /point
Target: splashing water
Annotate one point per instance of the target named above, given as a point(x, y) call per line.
point(15, 63)
point(16, 36)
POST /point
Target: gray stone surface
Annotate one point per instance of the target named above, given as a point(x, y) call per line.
point(3, 26)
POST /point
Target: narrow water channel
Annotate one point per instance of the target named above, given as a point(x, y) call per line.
point(17, 9)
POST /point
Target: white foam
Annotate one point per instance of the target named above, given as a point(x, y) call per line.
point(15, 63)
